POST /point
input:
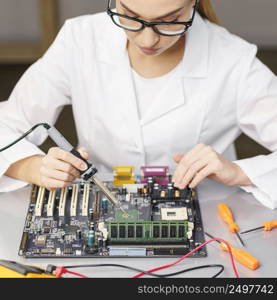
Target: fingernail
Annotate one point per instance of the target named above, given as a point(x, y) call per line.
point(83, 167)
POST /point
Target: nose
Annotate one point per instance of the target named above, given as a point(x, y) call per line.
point(148, 38)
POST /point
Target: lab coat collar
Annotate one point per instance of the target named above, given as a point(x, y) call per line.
point(112, 48)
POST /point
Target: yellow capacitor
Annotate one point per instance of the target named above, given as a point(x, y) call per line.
point(177, 193)
point(123, 175)
point(162, 194)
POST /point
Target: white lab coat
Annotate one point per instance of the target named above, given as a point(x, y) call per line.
point(221, 90)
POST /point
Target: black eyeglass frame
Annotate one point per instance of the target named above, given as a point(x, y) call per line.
point(152, 25)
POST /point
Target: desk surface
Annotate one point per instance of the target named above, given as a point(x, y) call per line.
point(248, 213)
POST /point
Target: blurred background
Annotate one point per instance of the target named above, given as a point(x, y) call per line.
point(28, 27)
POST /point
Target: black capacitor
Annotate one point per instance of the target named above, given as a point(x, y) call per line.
point(150, 185)
point(140, 191)
point(100, 243)
point(170, 193)
point(124, 191)
point(90, 214)
point(156, 191)
point(79, 234)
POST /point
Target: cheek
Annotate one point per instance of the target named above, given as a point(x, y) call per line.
point(168, 42)
point(131, 35)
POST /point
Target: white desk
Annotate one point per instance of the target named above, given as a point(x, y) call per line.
point(247, 211)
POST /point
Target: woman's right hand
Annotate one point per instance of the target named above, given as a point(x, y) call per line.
point(59, 168)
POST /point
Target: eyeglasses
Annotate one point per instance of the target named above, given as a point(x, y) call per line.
point(162, 28)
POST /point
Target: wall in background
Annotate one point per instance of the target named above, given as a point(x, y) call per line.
point(254, 20)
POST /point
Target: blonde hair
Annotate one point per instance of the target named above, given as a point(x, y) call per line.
point(207, 11)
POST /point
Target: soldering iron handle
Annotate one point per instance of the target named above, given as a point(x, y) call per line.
point(59, 139)
point(77, 154)
point(90, 171)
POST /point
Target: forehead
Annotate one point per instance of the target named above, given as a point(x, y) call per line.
point(152, 8)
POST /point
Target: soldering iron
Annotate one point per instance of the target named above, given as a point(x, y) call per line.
point(88, 174)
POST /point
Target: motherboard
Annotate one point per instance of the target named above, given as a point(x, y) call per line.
point(157, 220)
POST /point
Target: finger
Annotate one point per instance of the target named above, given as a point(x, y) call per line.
point(52, 184)
point(84, 152)
point(200, 176)
point(69, 158)
point(177, 157)
point(197, 153)
point(58, 175)
point(186, 161)
point(195, 150)
point(179, 173)
point(50, 162)
point(192, 171)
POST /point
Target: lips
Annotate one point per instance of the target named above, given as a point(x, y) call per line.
point(148, 50)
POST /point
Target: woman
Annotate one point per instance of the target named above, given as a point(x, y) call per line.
point(151, 84)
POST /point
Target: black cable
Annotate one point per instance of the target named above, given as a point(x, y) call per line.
point(150, 273)
point(197, 268)
point(45, 125)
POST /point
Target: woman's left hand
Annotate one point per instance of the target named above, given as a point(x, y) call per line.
point(204, 162)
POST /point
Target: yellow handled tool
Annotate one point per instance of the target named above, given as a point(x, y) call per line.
point(227, 216)
point(267, 226)
point(11, 269)
point(241, 256)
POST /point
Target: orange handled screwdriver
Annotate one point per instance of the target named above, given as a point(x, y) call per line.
point(267, 226)
point(241, 256)
point(226, 215)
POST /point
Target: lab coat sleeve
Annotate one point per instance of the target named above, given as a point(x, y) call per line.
point(257, 118)
point(38, 97)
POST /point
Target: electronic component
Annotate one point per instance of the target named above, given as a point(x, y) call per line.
point(157, 174)
point(132, 188)
point(127, 251)
point(41, 240)
point(48, 251)
point(63, 199)
point(74, 200)
point(40, 201)
point(51, 203)
point(123, 175)
point(149, 220)
point(176, 213)
point(90, 238)
point(85, 200)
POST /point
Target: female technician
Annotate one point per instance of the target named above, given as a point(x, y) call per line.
point(154, 84)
